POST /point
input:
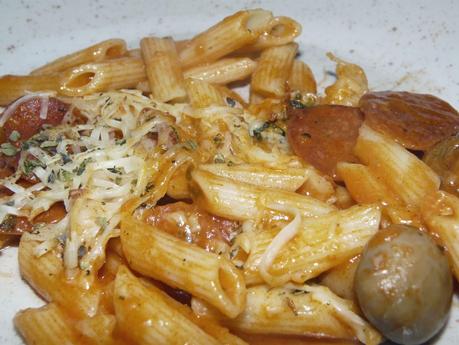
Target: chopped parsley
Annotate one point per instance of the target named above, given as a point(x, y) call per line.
point(297, 104)
point(102, 222)
point(64, 175)
point(82, 167)
point(218, 140)
point(65, 158)
point(219, 158)
point(231, 102)
point(8, 149)
point(29, 165)
point(190, 145)
point(115, 170)
point(52, 177)
point(14, 136)
point(257, 132)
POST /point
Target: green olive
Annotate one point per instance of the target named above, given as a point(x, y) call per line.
point(403, 284)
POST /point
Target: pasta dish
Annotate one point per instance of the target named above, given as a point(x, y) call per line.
point(154, 204)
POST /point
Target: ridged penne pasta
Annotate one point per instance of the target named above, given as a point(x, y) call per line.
point(340, 279)
point(46, 275)
point(202, 94)
point(12, 87)
point(289, 179)
point(105, 50)
point(228, 35)
point(102, 76)
point(366, 188)
point(301, 311)
point(281, 30)
point(270, 77)
point(301, 79)
point(243, 201)
point(441, 214)
point(405, 174)
point(99, 329)
point(163, 69)
point(320, 244)
point(223, 71)
point(163, 257)
point(147, 315)
point(47, 325)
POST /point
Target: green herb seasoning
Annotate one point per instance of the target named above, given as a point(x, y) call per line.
point(14, 136)
point(8, 149)
point(190, 145)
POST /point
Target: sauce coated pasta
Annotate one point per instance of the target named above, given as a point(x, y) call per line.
point(153, 204)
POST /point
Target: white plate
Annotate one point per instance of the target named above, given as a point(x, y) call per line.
point(410, 45)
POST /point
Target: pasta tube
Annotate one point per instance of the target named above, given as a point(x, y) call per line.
point(102, 76)
point(223, 71)
point(163, 68)
point(101, 51)
point(406, 175)
point(271, 74)
point(12, 87)
point(47, 325)
point(148, 316)
point(46, 275)
point(281, 30)
point(161, 256)
point(243, 201)
point(301, 79)
point(320, 244)
point(230, 34)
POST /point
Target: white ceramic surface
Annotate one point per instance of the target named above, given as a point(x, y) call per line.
point(410, 45)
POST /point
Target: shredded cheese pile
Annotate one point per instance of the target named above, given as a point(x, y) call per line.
point(95, 167)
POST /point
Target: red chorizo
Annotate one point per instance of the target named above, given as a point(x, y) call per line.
point(26, 119)
point(324, 135)
point(416, 121)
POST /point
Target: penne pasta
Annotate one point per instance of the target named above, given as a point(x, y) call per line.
point(223, 71)
point(154, 204)
point(105, 50)
point(300, 310)
point(301, 79)
point(102, 76)
point(161, 256)
point(147, 315)
point(441, 214)
point(47, 325)
point(46, 275)
point(366, 188)
point(270, 77)
point(340, 279)
point(99, 329)
point(405, 175)
point(12, 87)
point(280, 31)
point(163, 69)
point(286, 179)
point(203, 94)
point(243, 201)
point(230, 34)
point(320, 244)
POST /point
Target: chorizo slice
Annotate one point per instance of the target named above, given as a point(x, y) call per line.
point(324, 135)
point(28, 117)
point(417, 121)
